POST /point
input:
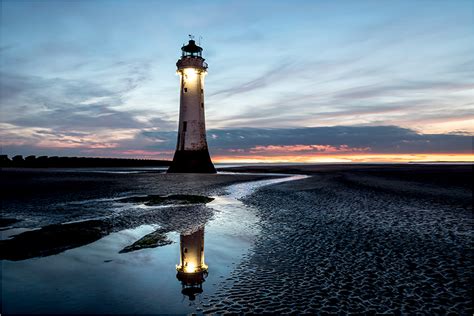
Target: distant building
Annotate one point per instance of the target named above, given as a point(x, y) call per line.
point(192, 154)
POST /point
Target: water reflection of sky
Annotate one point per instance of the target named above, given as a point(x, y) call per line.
point(97, 278)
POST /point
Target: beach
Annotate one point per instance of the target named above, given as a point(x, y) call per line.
point(359, 239)
point(278, 239)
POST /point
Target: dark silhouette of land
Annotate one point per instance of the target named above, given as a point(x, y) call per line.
point(76, 162)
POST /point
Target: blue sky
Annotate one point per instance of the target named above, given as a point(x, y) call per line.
point(97, 78)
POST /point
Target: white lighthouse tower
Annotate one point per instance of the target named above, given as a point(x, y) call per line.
point(192, 154)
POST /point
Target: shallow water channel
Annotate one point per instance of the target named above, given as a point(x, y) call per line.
point(96, 278)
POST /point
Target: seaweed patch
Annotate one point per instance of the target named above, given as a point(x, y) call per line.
point(155, 239)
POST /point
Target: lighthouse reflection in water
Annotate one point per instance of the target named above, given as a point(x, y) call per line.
point(192, 270)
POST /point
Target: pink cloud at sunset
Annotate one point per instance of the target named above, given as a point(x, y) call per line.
point(346, 158)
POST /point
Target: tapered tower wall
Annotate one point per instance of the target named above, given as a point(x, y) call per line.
point(192, 154)
point(192, 252)
point(192, 126)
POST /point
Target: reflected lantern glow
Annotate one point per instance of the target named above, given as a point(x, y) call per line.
point(192, 253)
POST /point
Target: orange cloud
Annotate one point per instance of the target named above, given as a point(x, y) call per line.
point(346, 158)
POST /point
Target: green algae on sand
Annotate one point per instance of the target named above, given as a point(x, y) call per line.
point(155, 239)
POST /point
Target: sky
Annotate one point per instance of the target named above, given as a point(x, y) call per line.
point(297, 81)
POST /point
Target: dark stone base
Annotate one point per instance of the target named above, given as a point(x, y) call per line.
point(191, 161)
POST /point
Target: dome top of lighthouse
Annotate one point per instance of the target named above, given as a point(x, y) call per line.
point(191, 49)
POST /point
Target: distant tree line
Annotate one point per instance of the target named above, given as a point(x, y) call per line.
point(76, 162)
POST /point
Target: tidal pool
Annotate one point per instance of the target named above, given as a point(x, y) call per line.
point(97, 278)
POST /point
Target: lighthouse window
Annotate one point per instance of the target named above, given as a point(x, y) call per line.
point(185, 89)
point(202, 105)
point(185, 125)
point(202, 90)
point(185, 250)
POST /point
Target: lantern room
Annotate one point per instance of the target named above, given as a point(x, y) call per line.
point(191, 50)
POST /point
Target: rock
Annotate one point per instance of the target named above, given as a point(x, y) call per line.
point(156, 239)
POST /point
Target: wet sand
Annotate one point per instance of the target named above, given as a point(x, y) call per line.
point(42, 197)
point(358, 239)
point(98, 242)
point(346, 239)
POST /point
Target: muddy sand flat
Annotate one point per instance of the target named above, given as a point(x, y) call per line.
point(52, 196)
point(346, 239)
point(100, 241)
point(378, 239)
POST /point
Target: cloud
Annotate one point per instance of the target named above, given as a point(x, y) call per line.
point(279, 149)
point(78, 105)
point(354, 140)
point(380, 139)
point(370, 91)
point(98, 81)
point(425, 104)
point(277, 73)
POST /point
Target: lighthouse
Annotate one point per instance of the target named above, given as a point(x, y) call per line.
point(192, 154)
point(192, 271)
